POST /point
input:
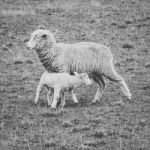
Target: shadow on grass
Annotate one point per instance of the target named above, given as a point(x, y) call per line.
point(82, 103)
point(97, 144)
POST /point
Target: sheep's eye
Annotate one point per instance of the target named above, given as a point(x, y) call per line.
point(44, 36)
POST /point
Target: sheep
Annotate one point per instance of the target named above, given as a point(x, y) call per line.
point(90, 57)
point(57, 83)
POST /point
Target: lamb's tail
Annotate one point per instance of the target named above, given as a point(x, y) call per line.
point(112, 75)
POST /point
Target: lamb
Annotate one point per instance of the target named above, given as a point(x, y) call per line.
point(57, 83)
point(90, 57)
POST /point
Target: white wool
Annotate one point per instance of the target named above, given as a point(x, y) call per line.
point(80, 57)
point(61, 82)
point(90, 57)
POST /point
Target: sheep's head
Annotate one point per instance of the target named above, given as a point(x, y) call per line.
point(84, 78)
point(40, 38)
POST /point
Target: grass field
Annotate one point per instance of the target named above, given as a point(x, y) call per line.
point(115, 123)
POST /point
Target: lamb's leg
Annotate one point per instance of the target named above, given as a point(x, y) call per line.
point(59, 99)
point(100, 81)
point(56, 96)
point(49, 96)
point(63, 102)
point(38, 90)
point(74, 96)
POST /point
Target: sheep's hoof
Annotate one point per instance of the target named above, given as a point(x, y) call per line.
point(76, 103)
point(53, 109)
point(94, 102)
point(129, 97)
point(36, 104)
point(48, 106)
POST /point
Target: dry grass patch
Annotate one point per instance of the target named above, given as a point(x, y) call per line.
point(17, 12)
point(18, 58)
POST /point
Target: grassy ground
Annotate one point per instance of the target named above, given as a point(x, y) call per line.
point(124, 26)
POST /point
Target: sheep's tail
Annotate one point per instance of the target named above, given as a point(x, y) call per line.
point(112, 75)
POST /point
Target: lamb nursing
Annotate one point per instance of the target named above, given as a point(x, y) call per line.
point(57, 83)
point(92, 58)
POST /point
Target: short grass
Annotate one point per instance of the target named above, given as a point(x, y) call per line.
point(114, 123)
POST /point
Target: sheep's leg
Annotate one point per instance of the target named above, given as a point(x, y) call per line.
point(49, 96)
point(55, 99)
point(125, 88)
point(111, 74)
point(59, 99)
point(38, 90)
point(63, 100)
point(100, 81)
point(74, 96)
point(122, 83)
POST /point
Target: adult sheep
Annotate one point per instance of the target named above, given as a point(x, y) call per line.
point(90, 57)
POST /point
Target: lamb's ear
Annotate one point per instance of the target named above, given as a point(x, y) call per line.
point(76, 74)
point(85, 75)
point(44, 36)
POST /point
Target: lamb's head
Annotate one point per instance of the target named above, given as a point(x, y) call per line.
point(41, 38)
point(83, 78)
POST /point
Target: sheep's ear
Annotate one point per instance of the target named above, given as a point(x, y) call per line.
point(41, 27)
point(76, 74)
point(44, 36)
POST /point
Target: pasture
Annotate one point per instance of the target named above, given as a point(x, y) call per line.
point(115, 123)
